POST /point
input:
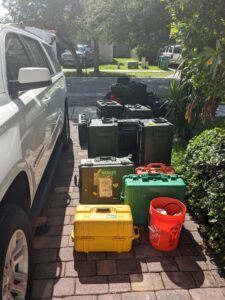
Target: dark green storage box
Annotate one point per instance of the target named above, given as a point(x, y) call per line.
point(101, 179)
point(156, 141)
point(137, 112)
point(102, 137)
point(139, 190)
point(109, 109)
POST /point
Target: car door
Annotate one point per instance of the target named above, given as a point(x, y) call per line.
point(58, 94)
point(31, 109)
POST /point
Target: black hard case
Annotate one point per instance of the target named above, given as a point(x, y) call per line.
point(109, 109)
point(155, 141)
point(102, 137)
point(82, 128)
point(137, 111)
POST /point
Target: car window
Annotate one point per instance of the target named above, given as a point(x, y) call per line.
point(170, 50)
point(38, 55)
point(177, 50)
point(53, 58)
point(16, 57)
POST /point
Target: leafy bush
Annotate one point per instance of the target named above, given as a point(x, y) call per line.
point(176, 102)
point(147, 50)
point(204, 170)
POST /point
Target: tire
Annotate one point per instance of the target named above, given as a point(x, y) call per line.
point(66, 130)
point(15, 226)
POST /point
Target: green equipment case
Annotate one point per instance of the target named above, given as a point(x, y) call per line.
point(156, 141)
point(139, 190)
point(137, 111)
point(102, 137)
point(101, 179)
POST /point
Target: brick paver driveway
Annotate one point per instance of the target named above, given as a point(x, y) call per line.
point(144, 273)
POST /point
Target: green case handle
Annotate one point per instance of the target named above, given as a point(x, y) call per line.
point(147, 177)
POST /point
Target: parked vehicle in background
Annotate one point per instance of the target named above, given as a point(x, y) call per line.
point(84, 52)
point(174, 52)
point(34, 128)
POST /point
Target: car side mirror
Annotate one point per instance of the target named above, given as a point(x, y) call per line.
point(29, 79)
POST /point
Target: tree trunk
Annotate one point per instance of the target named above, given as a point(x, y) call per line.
point(71, 48)
point(96, 57)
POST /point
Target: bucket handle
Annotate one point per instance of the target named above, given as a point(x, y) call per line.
point(136, 233)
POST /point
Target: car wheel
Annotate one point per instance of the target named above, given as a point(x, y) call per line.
point(66, 130)
point(15, 254)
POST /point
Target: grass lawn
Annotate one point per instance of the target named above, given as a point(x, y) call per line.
point(111, 70)
point(117, 73)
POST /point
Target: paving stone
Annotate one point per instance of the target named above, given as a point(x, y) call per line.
point(109, 297)
point(80, 268)
point(91, 285)
point(59, 220)
point(175, 280)
point(67, 229)
point(70, 211)
point(142, 251)
point(207, 294)
point(161, 264)
point(119, 284)
point(42, 289)
point(204, 279)
point(86, 297)
point(64, 287)
point(131, 266)
point(174, 253)
point(197, 237)
point(63, 189)
point(46, 255)
point(220, 280)
point(66, 254)
point(191, 263)
point(191, 225)
point(190, 250)
point(106, 267)
point(139, 296)
point(96, 256)
point(146, 282)
point(123, 255)
point(49, 270)
point(51, 242)
point(173, 295)
point(211, 263)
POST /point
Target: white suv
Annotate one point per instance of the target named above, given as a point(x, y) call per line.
point(174, 53)
point(34, 128)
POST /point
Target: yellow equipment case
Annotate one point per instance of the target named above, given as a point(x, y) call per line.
point(103, 228)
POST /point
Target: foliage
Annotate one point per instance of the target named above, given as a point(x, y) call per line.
point(204, 170)
point(178, 153)
point(64, 17)
point(176, 101)
point(200, 29)
point(149, 51)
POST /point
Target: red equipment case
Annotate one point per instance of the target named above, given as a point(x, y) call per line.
point(155, 168)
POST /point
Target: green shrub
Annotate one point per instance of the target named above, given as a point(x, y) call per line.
point(147, 50)
point(204, 170)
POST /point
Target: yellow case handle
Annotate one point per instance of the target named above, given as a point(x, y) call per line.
point(136, 233)
point(72, 235)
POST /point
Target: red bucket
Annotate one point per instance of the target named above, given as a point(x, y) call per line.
point(165, 229)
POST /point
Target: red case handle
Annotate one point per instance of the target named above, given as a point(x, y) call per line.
point(157, 166)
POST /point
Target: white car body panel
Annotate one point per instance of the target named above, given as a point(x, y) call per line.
point(29, 125)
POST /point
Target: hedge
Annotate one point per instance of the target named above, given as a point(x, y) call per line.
point(204, 170)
